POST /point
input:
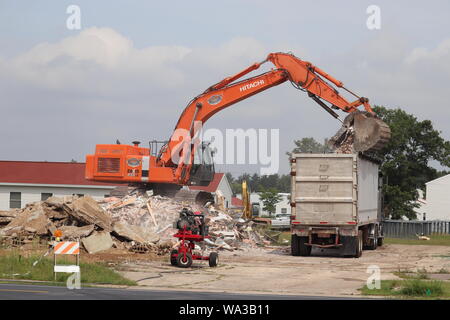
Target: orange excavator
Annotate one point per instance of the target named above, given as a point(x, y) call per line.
point(173, 165)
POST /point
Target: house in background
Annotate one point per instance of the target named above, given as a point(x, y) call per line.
point(23, 182)
point(218, 187)
point(438, 199)
point(282, 207)
point(421, 210)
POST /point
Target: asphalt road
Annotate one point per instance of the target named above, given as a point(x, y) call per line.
point(40, 292)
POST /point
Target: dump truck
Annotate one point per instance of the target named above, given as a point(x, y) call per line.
point(336, 203)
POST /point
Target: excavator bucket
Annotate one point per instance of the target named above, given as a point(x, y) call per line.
point(361, 132)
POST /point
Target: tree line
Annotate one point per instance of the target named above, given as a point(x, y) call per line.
point(260, 183)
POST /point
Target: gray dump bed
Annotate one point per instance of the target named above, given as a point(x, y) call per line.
point(334, 189)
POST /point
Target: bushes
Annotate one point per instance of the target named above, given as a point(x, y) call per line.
point(418, 287)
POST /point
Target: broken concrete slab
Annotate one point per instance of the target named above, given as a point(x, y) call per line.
point(56, 202)
point(31, 220)
point(135, 233)
point(8, 216)
point(76, 232)
point(87, 211)
point(97, 242)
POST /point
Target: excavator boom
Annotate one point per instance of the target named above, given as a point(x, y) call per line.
point(174, 163)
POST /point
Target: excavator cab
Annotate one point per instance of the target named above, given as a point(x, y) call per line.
point(202, 171)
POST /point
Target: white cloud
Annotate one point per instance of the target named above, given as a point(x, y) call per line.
point(97, 86)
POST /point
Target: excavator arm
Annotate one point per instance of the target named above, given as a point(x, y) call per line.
point(302, 74)
point(175, 161)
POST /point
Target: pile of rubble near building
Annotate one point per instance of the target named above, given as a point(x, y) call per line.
point(139, 223)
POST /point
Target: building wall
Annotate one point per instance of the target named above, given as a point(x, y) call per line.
point(281, 207)
point(33, 193)
point(438, 199)
point(225, 189)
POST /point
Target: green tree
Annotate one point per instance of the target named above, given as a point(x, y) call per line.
point(270, 198)
point(310, 145)
point(406, 160)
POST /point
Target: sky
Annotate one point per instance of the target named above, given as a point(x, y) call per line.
point(133, 66)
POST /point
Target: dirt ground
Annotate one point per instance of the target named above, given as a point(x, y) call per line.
point(274, 270)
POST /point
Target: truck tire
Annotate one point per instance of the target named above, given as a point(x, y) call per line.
point(183, 262)
point(173, 260)
point(295, 246)
point(373, 243)
point(359, 244)
point(304, 249)
point(380, 241)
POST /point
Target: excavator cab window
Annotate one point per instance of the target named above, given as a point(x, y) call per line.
point(202, 171)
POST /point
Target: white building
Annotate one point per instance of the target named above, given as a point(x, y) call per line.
point(23, 182)
point(283, 206)
point(438, 199)
point(219, 187)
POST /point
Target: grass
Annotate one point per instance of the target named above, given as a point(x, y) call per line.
point(411, 288)
point(15, 266)
point(436, 240)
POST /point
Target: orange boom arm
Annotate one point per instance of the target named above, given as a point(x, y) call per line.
point(135, 164)
point(227, 92)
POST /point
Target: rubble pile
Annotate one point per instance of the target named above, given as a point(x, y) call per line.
point(346, 147)
point(139, 223)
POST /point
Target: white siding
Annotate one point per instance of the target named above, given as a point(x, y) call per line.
point(226, 191)
point(33, 193)
point(283, 204)
point(438, 199)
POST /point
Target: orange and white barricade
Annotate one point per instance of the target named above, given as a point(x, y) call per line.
point(67, 247)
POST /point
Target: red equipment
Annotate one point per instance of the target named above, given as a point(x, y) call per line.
point(190, 232)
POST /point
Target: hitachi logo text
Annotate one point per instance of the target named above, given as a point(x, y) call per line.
point(251, 85)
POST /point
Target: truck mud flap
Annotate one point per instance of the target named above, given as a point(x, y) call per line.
point(349, 245)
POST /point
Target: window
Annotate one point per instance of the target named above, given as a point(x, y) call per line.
point(283, 210)
point(15, 200)
point(45, 196)
point(78, 194)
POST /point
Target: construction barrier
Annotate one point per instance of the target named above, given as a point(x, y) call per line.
point(67, 247)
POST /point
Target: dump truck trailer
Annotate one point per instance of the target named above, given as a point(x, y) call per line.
point(336, 203)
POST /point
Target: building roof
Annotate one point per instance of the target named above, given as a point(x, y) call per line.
point(43, 172)
point(236, 202)
point(213, 185)
point(443, 179)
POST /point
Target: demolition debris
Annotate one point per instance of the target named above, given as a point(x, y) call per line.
point(138, 223)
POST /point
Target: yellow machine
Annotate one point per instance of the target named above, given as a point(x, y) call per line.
point(247, 212)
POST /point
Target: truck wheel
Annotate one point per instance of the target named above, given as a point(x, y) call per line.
point(173, 260)
point(373, 242)
point(359, 244)
point(184, 261)
point(213, 259)
point(304, 249)
point(380, 241)
point(295, 248)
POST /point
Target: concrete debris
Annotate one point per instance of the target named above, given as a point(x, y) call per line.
point(8, 216)
point(139, 223)
point(135, 233)
point(73, 232)
point(31, 220)
point(99, 241)
point(87, 210)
